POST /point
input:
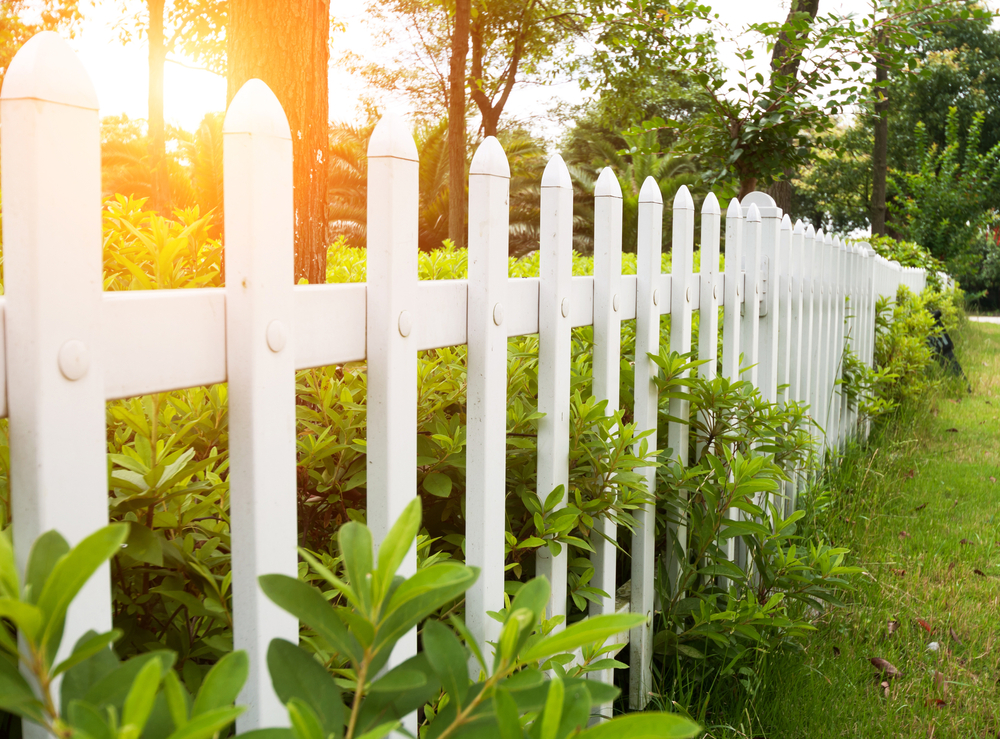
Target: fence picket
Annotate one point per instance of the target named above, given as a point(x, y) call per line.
point(261, 374)
point(647, 341)
point(486, 430)
point(50, 147)
point(750, 323)
point(710, 294)
point(783, 286)
point(554, 343)
point(681, 306)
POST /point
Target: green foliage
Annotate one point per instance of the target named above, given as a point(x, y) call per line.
point(946, 205)
point(513, 697)
point(99, 697)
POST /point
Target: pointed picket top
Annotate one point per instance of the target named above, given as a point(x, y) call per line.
point(819, 236)
point(710, 206)
point(490, 159)
point(256, 110)
point(753, 215)
point(650, 192)
point(556, 173)
point(682, 200)
point(828, 239)
point(46, 68)
point(786, 223)
point(607, 185)
point(810, 231)
point(734, 210)
point(798, 228)
point(392, 138)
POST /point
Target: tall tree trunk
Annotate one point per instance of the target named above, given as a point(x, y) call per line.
point(489, 110)
point(880, 149)
point(456, 123)
point(782, 191)
point(286, 44)
point(159, 174)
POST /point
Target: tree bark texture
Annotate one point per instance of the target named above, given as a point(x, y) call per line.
point(489, 110)
point(159, 180)
point(880, 149)
point(456, 123)
point(287, 45)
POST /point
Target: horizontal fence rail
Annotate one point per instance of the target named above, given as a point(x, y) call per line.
point(792, 299)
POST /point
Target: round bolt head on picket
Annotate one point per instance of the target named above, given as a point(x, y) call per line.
point(74, 359)
point(687, 295)
point(715, 292)
point(616, 302)
point(277, 336)
point(656, 297)
point(405, 323)
point(564, 307)
point(498, 314)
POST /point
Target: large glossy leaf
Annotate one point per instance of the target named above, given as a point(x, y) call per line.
point(222, 683)
point(79, 679)
point(84, 650)
point(25, 616)
point(84, 717)
point(356, 547)
point(296, 674)
point(421, 595)
point(112, 689)
point(448, 658)
point(141, 695)
point(396, 544)
point(643, 726)
point(10, 586)
point(16, 695)
point(305, 722)
point(309, 606)
point(70, 574)
point(208, 724)
point(48, 549)
point(380, 708)
point(590, 631)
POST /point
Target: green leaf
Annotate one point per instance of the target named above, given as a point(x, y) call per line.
point(380, 731)
point(87, 649)
point(356, 547)
point(112, 688)
point(297, 675)
point(16, 695)
point(438, 484)
point(70, 574)
point(143, 545)
point(305, 723)
point(643, 726)
point(422, 594)
point(448, 658)
point(397, 543)
point(48, 549)
point(26, 617)
point(592, 630)
point(268, 734)
point(222, 683)
point(77, 680)
point(84, 717)
point(10, 586)
point(177, 699)
point(309, 606)
point(508, 721)
point(552, 713)
point(378, 708)
point(139, 702)
point(206, 725)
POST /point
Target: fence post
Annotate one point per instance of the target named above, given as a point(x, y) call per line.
point(750, 324)
point(681, 307)
point(52, 252)
point(606, 370)
point(393, 195)
point(554, 348)
point(798, 316)
point(647, 341)
point(709, 294)
point(486, 431)
point(837, 335)
point(257, 161)
point(807, 368)
point(784, 279)
point(818, 336)
point(733, 293)
point(766, 276)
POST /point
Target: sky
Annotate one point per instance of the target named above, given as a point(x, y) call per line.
point(120, 71)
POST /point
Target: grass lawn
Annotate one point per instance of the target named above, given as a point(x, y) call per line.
point(921, 513)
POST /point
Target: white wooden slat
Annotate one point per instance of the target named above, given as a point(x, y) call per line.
point(750, 322)
point(486, 433)
point(797, 318)
point(260, 311)
point(832, 336)
point(50, 147)
point(647, 341)
point(606, 370)
point(682, 304)
point(840, 274)
point(732, 329)
point(807, 384)
point(819, 336)
point(554, 345)
point(851, 329)
point(785, 282)
point(322, 337)
point(766, 373)
point(391, 347)
point(711, 291)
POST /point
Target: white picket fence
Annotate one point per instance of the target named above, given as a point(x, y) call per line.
point(792, 299)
